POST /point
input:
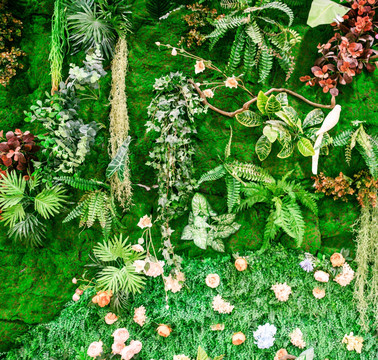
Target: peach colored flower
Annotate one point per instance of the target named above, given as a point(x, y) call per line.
point(127, 353)
point(76, 297)
point(95, 349)
point(212, 280)
point(238, 338)
point(180, 357)
point(120, 335)
point(139, 265)
point(321, 276)
point(217, 327)
point(102, 298)
point(164, 330)
point(144, 222)
point(353, 342)
point(174, 52)
point(140, 315)
point(79, 292)
point(221, 306)
point(318, 293)
point(346, 277)
point(199, 67)
point(296, 338)
point(337, 260)
point(172, 283)
point(280, 354)
point(136, 345)
point(282, 291)
point(231, 82)
point(156, 269)
point(74, 281)
point(117, 347)
point(241, 264)
point(208, 93)
point(111, 318)
point(137, 248)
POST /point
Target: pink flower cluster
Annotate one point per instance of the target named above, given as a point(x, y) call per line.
point(119, 347)
point(346, 277)
point(221, 306)
point(155, 268)
point(174, 283)
point(296, 338)
point(282, 291)
point(140, 315)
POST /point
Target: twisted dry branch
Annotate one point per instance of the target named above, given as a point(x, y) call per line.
point(250, 102)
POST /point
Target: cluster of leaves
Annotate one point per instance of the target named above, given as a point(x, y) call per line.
point(363, 186)
point(158, 8)
point(113, 262)
point(206, 227)
point(259, 38)
point(96, 204)
point(348, 52)
point(10, 29)
point(364, 139)
point(172, 113)
point(18, 151)
point(26, 203)
point(69, 139)
point(94, 23)
point(198, 20)
point(289, 130)
point(281, 198)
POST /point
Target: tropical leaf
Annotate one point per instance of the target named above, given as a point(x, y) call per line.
point(272, 105)
point(305, 147)
point(270, 133)
point(12, 189)
point(217, 245)
point(30, 230)
point(187, 233)
point(119, 162)
point(263, 147)
point(282, 98)
point(261, 102)
point(286, 151)
point(201, 354)
point(200, 237)
point(249, 118)
point(13, 215)
point(200, 205)
point(49, 201)
point(313, 118)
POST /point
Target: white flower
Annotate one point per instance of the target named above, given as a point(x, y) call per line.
point(144, 222)
point(174, 52)
point(199, 67)
point(264, 336)
point(139, 265)
point(137, 248)
point(157, 43)
point(208, 93)
point(231, 82)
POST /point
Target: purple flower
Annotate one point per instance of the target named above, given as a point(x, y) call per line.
point(307, 265)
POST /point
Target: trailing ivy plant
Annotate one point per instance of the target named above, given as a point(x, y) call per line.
point(172, 114)
point(206, 227)
point(364, 139)
point(25, 204)
point(281, 122)
point(259, 38)
point(282, 198)
point(69, 139)
point(234, 173)
point(96, 204)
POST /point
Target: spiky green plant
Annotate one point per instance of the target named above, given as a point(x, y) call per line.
point(26, 203)
point(158, 8)
point(282, 198)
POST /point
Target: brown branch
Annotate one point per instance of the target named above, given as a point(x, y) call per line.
point(250, 102)
point(287, 357)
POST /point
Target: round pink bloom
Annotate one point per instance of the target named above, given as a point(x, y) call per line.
point(208, 93)
point(74, 281)
point(121, 335)
point(79, 292)
point(199, 67)
point(117, 348)
point(76, 297)
point(111, 318)
point(127, 353)
point(137, 248)
point(144, 222)
point(321, 276)
point(95, 349)
point(136, 346)
point(156, 269)
point(231, 82)
point(212, 280)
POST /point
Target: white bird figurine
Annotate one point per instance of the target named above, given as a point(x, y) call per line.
point(329, 122)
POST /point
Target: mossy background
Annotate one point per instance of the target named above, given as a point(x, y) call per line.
point(35, 283)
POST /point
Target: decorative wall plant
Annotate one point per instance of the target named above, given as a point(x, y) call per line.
point(259, 38)
point(206, 228)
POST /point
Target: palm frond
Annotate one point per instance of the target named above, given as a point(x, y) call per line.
point(49, 201)
point(29, 230)
point(12, 189)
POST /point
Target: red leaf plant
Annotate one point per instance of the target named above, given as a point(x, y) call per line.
point(348, 52)
point(18, 150)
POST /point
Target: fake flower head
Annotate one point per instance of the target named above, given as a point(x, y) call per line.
point(321, 276)
point(199, 67)
point(164, 330)
point(280, 354)
point(212, 280)
point(76, 297)
point(208, 93)
point(140, 315)
point(174, 282)
point(222, 306)
point(181, 357)
point(282, 291)
point(337, 260)
point(346, 277)
point(121, 335)
point(318, 293)
point(144, 222)
point(264, 336)
point(111, 318)
point(241, 264)
point(102, 298)
point(137, 248)
point(296, 338)
point(307, 265)
point(231, 82)
point(353, 342)
point(238, 338)
point(117, 347)
point(155, 269)
point(95, 349)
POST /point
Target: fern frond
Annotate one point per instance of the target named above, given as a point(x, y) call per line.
point(233, 192)
point(12, 189)
point(12, 215)
point(254, 32)
point(265, 65)
point(248, 171)
point(237, 50)
point(213, 174)
point(291, 220)
point(30, 230)
point(274, 5)
point(306, 198)
point(81, 184)
point(271, 229)
point(343, 138)
point(249, 56)
point(77, 211)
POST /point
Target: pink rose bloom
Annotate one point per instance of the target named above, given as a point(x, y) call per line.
point(137, 248)
point(208, 93)
point(127, 353)
point(140, 315)
point(199, 67)
point(79, 292)
point(321, 276)
point(74, 281)
point(95, 349)
point(136, 346)
point(144, 222)
point(121, 335)
point(212, 280)
point(231, 82)
point(111, 318)
point(76, 297)
point(346, 277)
point(318, 293)
point(156, 269)
point(139, 265)
point(117, 348)
point(282, 291)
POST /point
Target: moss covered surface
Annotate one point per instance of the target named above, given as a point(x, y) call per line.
point(36, 282)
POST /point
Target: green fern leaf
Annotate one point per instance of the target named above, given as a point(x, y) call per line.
point(237, 50)
point(265, 65)
point(233, 192)
point(213, 174)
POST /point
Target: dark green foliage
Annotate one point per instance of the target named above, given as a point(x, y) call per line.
point(158, 8)
point(323, 322)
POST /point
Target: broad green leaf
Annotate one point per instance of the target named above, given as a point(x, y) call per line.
point(282, 98)
point(249, 118)
point(307, 355)
point(314, 117)
point(225, 219)
point(324, 12)
point(263, 147)
point(200, 222)
point(270, 133)
point(187, 233)
point(224, 231)
point(286, 151)
point(272, 105)
point(200, 237)
point(305, 147)
point(201, 355)
point(118, 164)
point(261, 102)
point(199, 205)
point(217, 245)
